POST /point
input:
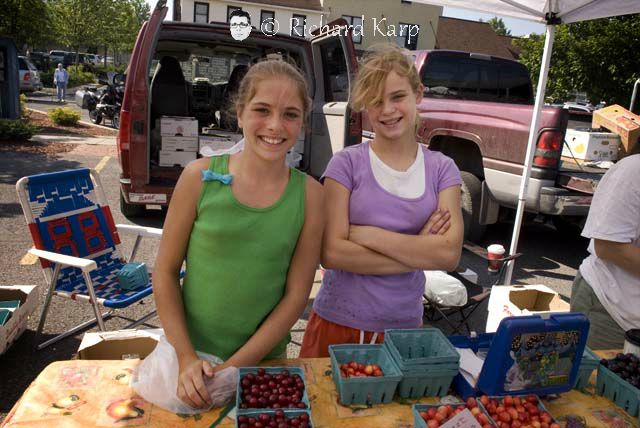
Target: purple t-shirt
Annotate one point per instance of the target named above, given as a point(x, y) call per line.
point(378, 302)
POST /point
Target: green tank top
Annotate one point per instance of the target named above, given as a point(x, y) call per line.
point(237, 263)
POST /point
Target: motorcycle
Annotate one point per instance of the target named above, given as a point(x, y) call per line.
point(105, 104)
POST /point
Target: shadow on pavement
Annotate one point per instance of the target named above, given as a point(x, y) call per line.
point(16, 165)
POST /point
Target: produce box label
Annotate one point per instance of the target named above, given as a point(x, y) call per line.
point(464, 419)
point(541, 359)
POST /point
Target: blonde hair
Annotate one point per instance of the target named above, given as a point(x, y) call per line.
point(368, 89)
point(267, 69)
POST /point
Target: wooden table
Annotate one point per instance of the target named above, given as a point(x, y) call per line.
point(97, 386)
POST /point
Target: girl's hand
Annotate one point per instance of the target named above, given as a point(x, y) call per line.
point(438, 223)
point(191, 387)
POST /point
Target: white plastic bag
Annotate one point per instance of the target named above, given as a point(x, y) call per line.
point(444, 289)
point(156, 380)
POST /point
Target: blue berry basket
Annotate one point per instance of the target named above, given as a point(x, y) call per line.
point(618, 390)
point(272, 371)
point(364, 390)
point(541, 407)
point(290, 414)
point(426, 382)
point(418, 422)
point(421, 346)
point(588, 364)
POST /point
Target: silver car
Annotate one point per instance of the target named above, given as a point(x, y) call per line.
point(29, 75)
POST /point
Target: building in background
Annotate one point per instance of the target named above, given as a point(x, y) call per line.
point(407, 24)
point(473, 36)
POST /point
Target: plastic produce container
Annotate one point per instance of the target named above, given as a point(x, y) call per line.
point(618, 390)
point(588, 364)
point(364, 390)
point(272, 371)
point(290, 414)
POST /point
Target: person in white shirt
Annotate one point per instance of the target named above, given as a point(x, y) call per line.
point(60, 80)
point(607, 286)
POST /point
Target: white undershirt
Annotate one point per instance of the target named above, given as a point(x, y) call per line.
point(406, 184)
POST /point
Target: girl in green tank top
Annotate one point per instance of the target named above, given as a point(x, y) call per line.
point(249, 229)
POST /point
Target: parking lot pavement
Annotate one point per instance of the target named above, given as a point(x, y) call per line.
point(548, 258)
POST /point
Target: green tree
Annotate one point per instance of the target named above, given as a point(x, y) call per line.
point(78, 22)
point(26, 21)
point(599, 57)
point(498, 26)
point(126, 18)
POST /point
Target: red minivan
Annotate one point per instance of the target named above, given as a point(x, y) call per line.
point(188, 69)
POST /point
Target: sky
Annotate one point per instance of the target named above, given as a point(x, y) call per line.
point(518, 27)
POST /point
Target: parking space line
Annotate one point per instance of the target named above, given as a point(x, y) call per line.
point(29, 259)
point(102, 163)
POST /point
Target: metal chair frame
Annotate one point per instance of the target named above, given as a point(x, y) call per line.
point(85, 264)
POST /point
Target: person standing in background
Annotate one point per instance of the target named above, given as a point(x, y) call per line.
point(607, 286)
point(60, 80)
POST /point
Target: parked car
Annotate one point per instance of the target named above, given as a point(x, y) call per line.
point(28, 75)
point(41, 60)
point(57, 57)
point(205, 61)
point(477, 109)
point(92, 59)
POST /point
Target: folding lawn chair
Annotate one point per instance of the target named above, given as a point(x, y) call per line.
point(78, 244)
point(457, 317)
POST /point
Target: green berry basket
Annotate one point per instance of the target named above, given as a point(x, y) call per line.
point(364, 390)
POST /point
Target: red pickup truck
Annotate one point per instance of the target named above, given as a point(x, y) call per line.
point(477, 109)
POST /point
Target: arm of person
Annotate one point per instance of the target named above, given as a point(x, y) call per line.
point(298, 286)
point(424, 251)
point(166, 284)
point(338, 252)
point(623, 255)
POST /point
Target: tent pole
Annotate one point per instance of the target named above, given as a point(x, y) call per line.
point(531, 145)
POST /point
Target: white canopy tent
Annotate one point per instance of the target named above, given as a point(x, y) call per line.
point(550, 13)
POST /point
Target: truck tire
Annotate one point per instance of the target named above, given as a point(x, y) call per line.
point(131, 210)
point(471, 194)
point(569, 226)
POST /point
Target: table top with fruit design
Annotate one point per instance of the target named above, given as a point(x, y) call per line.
point(85, 393)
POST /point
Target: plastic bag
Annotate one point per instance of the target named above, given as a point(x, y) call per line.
point(156, 380)
point(444, 289)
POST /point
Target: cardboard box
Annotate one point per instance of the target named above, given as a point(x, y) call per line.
point(179, 144)
point(520, 300)
point(17, 323)
point(621, 121)
point(218, 142)
point(171, 158)
point(591, 145)
point(119, 344)
point(178, 126)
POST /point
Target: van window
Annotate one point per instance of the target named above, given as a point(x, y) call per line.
point(462, 77)
point(336, 79)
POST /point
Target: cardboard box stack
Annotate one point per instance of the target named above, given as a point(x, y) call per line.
point(179, 140)
point(621, 121)
point(17, 303)
point(591, 145)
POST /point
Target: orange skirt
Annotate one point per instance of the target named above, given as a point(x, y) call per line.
point(321, 333)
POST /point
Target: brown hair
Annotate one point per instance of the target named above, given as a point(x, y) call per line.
point(368, 89)
point(271, 68)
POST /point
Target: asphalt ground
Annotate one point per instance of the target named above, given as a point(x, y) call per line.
point(549, 258)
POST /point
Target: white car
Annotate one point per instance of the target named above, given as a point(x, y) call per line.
point(29, 76)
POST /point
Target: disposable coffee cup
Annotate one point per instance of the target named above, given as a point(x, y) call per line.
point(632, 342)
point(495, 252)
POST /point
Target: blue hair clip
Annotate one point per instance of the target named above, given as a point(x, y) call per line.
point(214, 176)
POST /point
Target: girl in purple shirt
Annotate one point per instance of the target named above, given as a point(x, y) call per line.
point(392, 211)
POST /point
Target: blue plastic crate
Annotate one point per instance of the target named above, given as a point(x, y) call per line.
point(272, 371)
point(288, 413)
point(418, 422)
point(588, 364)
point(428, 383)
point(525, 338)
point(541, 407)
point(364, 390)
point(618, 390)
point(420, 346)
